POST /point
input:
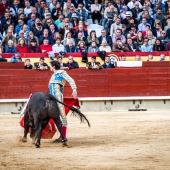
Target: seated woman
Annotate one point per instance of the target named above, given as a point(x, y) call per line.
point(33, 47)
point(22, 46)
point(68, 39)
point(81, 47)
point(92, 37)
point(16, 58)
point(158, 46)
point(10, 48)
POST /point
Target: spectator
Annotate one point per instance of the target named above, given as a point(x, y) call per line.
point(151, 38)
point(27, 9)
point(104, 46)
point(41, 65)
point(123, 58)
point(133, 47)
point(146, 47)
point(57, 47)
point(33, 47)
point(115, 26)
point(52, 30)
point(33, 11)
point(139, 39)
point(46, 36)
point(168, 24)
point(138, 58)
point(28, 64)
point(93, 47)
point(16, 58)
point(1, 48)
point(62, 65)
point(10, 48)
point(150, 57)
point(142, 26)
point(9, 36)
point(132, 4)
point(105, 37)
point(119, 35)
point(92, 37)
point(68, 39)
point(31, 21)
point(136, 10)
point(31, 36)
point(159, 15)
point(93, 64)
point(66, 28)
point(162, 57)
point(70, 48)
point(71, 64)
point(19, 27)
point(119, 46)
point(59, 20)
point(81, 47)
point(45, 47)
point(81, 30)
point(167, 46)
point(124, 30)
point(21, 47)
point(80, 38)
point(158, 30)
point(164, 38)
point(21, 35)
point(158, 46)
point(145, 32)
point(81, 12)
point(95, 10)
point(107, 63)
point(38, 30)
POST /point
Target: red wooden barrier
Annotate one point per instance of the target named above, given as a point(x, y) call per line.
point(9, 65)
point(118, 82)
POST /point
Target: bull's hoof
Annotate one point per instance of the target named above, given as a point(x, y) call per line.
point(37, 145)
point(24, 139)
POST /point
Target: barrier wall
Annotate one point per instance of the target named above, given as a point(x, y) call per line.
point(118, 82)
point(77, 56)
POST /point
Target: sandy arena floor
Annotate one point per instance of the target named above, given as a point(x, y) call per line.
point(115, 141)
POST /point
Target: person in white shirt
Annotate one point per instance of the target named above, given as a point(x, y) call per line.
point(131, 4)
point(58, 47)
point(95, 9)
point(27, 9)
point(104, 47)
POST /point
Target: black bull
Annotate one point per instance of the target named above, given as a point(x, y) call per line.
point(41, 108)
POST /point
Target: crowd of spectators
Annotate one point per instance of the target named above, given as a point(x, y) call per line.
point(41, 26)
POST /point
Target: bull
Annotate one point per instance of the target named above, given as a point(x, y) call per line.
point(40, 109)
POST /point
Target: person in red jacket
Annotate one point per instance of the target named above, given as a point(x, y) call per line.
point(22, 46)
point(3, 5)
point(45, 47)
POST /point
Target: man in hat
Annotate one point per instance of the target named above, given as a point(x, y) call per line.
point(41, 65)
point(93, 64)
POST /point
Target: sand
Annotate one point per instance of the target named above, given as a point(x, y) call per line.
point(115, 141)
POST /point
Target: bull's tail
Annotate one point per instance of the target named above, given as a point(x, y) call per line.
point(75, 112)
